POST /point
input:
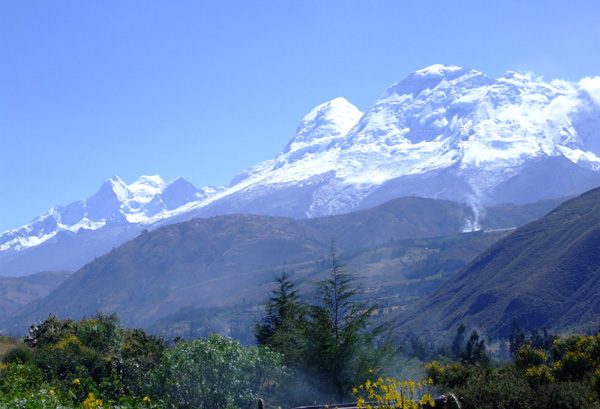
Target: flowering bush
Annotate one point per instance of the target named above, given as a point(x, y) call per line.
point(391, 394)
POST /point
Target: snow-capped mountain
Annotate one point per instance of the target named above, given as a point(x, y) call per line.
point(66, 237)
point(442, 132)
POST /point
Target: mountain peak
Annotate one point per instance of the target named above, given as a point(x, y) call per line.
point(146, 187)
point(324, 123)
point(437, 69)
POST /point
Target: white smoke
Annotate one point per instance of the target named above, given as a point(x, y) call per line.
point(473, 224)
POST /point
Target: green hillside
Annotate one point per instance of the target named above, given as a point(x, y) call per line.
point(546, 273)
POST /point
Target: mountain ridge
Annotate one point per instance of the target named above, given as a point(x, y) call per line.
point(225, 259)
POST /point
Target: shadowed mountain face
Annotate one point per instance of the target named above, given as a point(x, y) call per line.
point(229, 260)
point(546, 273)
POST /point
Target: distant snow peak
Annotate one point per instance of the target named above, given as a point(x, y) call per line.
point(115, 203)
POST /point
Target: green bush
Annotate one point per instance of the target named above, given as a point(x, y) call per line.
point(217, 373)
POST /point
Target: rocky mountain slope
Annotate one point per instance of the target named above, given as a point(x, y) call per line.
point(546, 273)
point(442, 132)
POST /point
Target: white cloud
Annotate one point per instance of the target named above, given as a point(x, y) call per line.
point(564, 84)
point(592, 86)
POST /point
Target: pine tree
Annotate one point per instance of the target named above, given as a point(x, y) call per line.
point(281, 327)
point(340, 349)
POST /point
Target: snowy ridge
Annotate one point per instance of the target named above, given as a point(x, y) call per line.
point(479, 130)
point(115, 203)
point(441, 132)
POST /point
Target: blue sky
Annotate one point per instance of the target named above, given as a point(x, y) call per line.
point(204, 89)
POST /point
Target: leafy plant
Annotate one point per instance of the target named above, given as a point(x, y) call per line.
point(217, 373)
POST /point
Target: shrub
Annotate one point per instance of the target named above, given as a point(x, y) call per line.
point(18, 355)
point(216, 373)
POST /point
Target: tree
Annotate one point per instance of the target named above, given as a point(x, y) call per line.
point(516, 338)
point(474, 351)
point(340, 349)
point(281, 327)
point(458, 341)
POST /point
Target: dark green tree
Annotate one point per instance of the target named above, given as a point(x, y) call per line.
point(474, 352)
point(285, 316)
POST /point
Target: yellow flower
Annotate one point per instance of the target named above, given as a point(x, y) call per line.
point(91, 402)
point(76, 381)
point(51, 392)
point(370, 371)
point(147, 399)
point(354, 391)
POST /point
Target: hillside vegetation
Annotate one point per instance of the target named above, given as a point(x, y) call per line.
point(546, 273)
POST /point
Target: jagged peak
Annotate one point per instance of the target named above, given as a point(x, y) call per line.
point(113, 186)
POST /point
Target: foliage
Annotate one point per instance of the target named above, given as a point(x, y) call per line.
point(281, 327)
point(340, 350)
point(19, 355)
point(516, 338)
point(458, 341)
point(474, 352)
point(217, 373)
point(391, 394)
point(329, 343)
point(568, 378)
point(140, 355)
point(62, 362)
